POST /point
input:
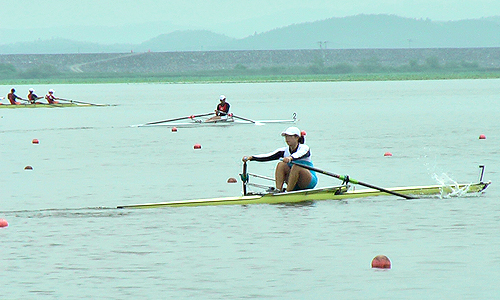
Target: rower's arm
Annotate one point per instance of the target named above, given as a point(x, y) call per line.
point(276, 154)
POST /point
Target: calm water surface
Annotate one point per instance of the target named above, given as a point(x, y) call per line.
point(66, 240)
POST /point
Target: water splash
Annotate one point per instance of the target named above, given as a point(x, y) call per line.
point(450, 188)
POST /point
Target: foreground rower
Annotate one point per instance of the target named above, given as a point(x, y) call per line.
point(295, 176)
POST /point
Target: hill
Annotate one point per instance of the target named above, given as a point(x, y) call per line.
point(377, 31)
point(188, 40)
point(354, 32)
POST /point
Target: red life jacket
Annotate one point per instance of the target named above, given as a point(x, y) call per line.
point(12, 98)
point(224, 108)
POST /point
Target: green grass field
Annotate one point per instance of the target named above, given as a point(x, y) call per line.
point(236, 78)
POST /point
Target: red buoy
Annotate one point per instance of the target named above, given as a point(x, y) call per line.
point(381, 262)
point(197, 146)
point(303, 133)
point(174, 129)
point(28, 168)
point(482, 137)
point(231, 180)
point(388, 154)
point(35, 141)
point(3, 223)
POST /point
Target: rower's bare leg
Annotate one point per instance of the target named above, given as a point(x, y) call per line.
point(281, 174)
point(298, 176)
point(213, 119)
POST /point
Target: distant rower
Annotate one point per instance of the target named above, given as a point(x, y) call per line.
point(50, 97)
point(32, 97)
point(13, 97)
point(221, 111)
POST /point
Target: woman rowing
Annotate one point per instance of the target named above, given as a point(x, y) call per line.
point(50, 97)
point(32, 97)
point(221, 111)
point(12, 97)
point(295, 176)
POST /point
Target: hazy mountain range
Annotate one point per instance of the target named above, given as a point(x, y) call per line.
point(360, 31)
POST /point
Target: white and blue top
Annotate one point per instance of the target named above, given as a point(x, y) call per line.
point(301, 155)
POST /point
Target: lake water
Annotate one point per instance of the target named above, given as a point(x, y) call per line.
point(66, 240)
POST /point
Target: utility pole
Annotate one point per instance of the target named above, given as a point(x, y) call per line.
point(321, 43)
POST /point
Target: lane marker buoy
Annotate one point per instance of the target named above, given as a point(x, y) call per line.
point(197, 146)
point(174, 129)
point(231, 180)
point(388, 154)
point(28, 168)
point(381, 262)
point(35, 141)
point(482, 137)
point(3, 223)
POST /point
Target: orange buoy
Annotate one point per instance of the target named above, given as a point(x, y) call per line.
point(28, 168)
point(197, 146)
point(35, 141)
point(482, 137)
point(381, 262)
point(388, 154)
point(174, 129)
point(3, 223)
point(231, 180)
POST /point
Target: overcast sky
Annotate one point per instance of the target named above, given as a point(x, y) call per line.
point(222, 15)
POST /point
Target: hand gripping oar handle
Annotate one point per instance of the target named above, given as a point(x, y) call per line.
point(353, 181)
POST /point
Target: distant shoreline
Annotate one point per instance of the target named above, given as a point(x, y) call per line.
point(252, 66)
point(257, 79)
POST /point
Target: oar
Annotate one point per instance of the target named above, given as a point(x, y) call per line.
point(248, 120)
point(177, 119)
point(352, 180)
point(74, 101)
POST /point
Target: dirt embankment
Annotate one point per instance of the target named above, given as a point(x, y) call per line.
point(166, 62)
